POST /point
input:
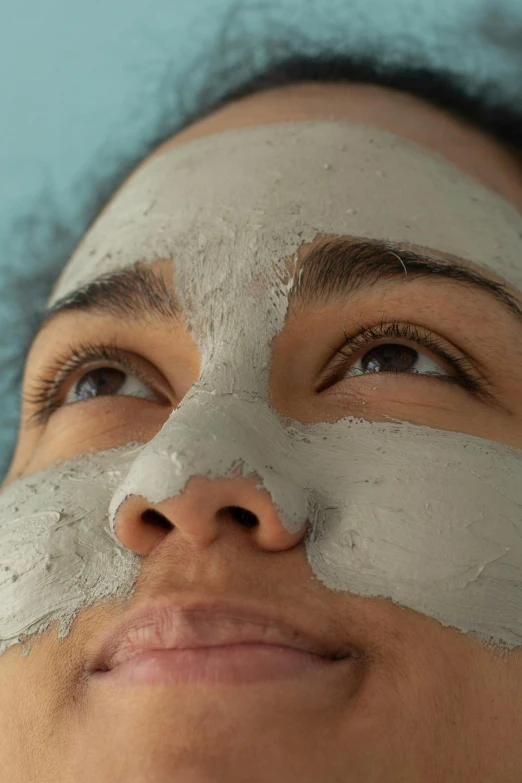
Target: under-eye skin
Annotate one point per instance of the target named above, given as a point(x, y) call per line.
point(47, 391)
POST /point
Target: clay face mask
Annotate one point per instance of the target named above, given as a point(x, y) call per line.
point(429, 518)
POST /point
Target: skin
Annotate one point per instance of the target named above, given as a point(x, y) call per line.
point(438, 706)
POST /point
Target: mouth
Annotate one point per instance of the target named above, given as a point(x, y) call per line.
point(210, 644)
point(238, 664)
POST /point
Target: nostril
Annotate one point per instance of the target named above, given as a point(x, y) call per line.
point(244, 517)
point(154, 518)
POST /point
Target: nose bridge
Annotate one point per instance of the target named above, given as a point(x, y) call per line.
point(225, 427)
point(218, 436)
point(233, 326)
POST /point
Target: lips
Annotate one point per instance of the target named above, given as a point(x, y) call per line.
point(181, 627)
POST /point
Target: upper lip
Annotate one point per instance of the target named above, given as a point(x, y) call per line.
point(175, 626)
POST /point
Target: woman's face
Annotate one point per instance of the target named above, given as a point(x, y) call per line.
point(305, 307)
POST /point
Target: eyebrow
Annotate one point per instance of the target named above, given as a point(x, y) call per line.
point(332, 269)
point(338, 267)
point(134, 293)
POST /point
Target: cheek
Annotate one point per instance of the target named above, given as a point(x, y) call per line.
point(428, 518)
point(39, 697)
point(57, 553)
point(35, 697)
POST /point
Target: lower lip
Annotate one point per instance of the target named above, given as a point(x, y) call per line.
point(232, 664)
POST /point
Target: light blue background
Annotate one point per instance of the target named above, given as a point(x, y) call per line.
point(81, 82)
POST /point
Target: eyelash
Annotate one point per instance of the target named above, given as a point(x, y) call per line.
point(45, 391)
point(466, 377)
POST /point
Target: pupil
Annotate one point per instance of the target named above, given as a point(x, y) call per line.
point(390, 358)
point(106, 380)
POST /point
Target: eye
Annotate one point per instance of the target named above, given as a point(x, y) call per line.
point(108, 381)
point(392, 357)
point(360, 355)
point(85, 372)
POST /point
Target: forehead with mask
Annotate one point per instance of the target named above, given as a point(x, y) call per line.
point(280, 374)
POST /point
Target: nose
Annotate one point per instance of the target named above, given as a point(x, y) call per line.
point(201, 512)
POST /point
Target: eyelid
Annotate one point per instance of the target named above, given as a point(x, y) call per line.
point(47, 392)
point(358, 345)
point(392, 330)
point(67, 385)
